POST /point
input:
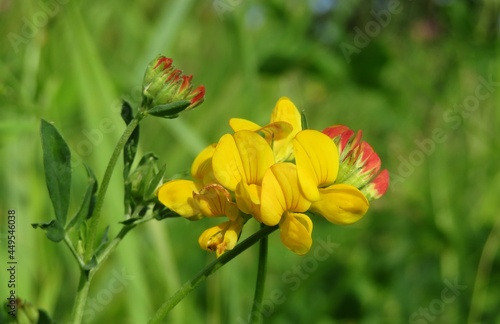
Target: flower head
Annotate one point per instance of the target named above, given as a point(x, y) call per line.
point(166, 91)
point(278, 174)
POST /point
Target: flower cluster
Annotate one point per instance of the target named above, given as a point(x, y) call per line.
point(275, 174)
point(166, 91)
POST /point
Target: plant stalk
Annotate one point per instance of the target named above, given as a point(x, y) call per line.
point(96, 215)
point(190, 285)
point(81, 296)
point(256, 313)
point(85, 274)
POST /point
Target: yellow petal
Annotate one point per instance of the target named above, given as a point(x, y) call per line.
point(178, 196)
point(202, 164)
point(212, 237)
point(276, 131)
point(238, 124)
point(280, 192)
point(214, 200)
point(317, 161)
point(341, 204)
point(276, 134)
point(221, 238)
point(248, 199)
point(295, 232)
point(256, 155)
point(285, 111)
point(231, 236)
point(226, 163)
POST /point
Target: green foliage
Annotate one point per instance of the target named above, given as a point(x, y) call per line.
point(88, 202)
point(57, 166)
point(170, 110)
point(130, 148)
point(54, 230)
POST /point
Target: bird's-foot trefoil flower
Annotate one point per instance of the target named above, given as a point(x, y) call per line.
point(177, 194)
point(283, 203)
point(239, 163)
point(278, 174)
point(205, 197)
point(223, 237)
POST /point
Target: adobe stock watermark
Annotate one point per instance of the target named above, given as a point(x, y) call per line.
point(118, 282)
point(223, 6)
point(453, 119)
point(372, 29)
point(294, 277)
point(32, 25)
point(437, 307)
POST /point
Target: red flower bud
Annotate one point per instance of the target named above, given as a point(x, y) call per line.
point(164, 86)
point(359, 163)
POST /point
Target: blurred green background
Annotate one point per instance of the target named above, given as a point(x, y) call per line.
point(418, 77)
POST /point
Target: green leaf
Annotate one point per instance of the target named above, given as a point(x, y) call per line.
point(161, 212)
point(130, 147)
point(129, 152)
point(147, 158)
point(53, 230)
point(126, 112)
point(170, 110)
point(87, 206)
point(139, 214)
point(104, 240)
point(154, 182)
point(57, 164)
point(43, 317)
point(130, 221)
point(303, 120)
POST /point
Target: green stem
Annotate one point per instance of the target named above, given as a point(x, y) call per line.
point(490, 250)
point(101, 257)
point(209, 269)
point(81, 296)
point(73, 251)
point(94, 220)
point(86, 275)
point(256, 314)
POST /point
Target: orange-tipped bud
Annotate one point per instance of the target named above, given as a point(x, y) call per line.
point(166, 91)
point(359, 163)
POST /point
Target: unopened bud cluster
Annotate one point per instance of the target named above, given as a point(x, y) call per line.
point(166, 91)
point(359, 163)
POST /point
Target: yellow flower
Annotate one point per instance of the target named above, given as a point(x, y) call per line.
point(285, 123)
point(283, 204)
point(277, 173)
point(202, 197)
point(289, 190)
point(239, 163)
point(214, 200)
point(317, 160)
point(223, 237)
